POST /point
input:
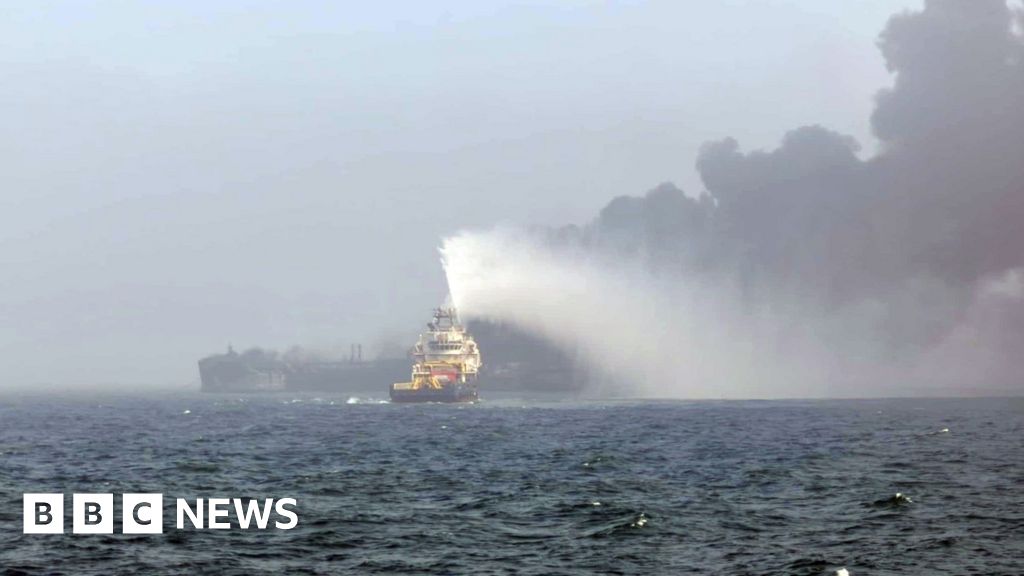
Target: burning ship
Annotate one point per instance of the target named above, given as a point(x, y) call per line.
point(446, 363)
point(447, 354)
point(258, 370)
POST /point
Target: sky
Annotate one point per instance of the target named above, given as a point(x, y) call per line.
point(180, 176)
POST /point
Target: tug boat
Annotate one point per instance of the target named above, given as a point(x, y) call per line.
point(446, 363)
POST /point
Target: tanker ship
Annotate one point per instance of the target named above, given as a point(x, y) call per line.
point(446, 364)
point(258, 370)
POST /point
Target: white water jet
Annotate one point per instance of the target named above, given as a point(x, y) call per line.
point(653, 338)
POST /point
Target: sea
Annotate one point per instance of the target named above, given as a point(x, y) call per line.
point(528, 486)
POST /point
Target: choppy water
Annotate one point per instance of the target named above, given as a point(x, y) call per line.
point(532, 488)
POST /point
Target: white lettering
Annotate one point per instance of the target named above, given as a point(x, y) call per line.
point(253, 510)
point(184, 508)
point(218, 509)
point(291, 515)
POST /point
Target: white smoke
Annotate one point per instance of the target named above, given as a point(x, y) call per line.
point(676, 337)
point(652, 338)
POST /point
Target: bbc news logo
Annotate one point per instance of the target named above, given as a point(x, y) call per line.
point(144, 513)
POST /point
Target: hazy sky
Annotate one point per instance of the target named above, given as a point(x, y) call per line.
point(177, 176)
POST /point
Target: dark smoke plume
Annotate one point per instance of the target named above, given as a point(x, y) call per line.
point(913, 257)
point(918, 228)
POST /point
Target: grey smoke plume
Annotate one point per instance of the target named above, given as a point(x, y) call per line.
point(907, 266)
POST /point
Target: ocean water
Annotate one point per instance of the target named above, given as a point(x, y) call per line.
point(530, 487)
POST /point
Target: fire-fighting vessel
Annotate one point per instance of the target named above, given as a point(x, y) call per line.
point(446, 363)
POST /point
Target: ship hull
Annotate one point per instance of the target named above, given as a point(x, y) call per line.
point(448, 394)
point(243, 373)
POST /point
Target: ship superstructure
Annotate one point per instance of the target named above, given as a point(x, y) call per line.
point(446, 363)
